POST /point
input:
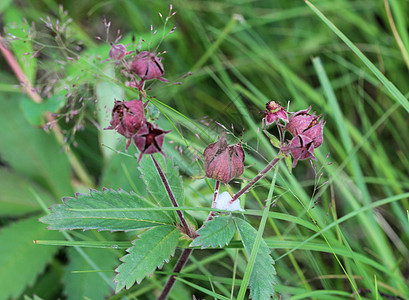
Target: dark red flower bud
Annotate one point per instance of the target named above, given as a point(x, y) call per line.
point(307, 131)
point(223, 162)
point(127, 118)
point(149, 139)
point(302, 122)
point(147, 66)
point(301, 147)
point(117, 52)
point(274, 112)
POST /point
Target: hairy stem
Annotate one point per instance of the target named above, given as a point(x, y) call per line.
point(172, 197)
point(216, 192)
point(257, 178)
point(178, 267)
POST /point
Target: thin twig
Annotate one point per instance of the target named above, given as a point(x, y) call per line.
point(257, 178)
point(172, 197)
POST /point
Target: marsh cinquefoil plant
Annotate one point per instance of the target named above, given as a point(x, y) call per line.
point(166, 226)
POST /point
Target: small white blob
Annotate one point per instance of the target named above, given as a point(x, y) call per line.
point(223, 202)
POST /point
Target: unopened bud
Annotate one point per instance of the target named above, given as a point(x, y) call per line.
point(117, 52)
point(147, 66)
point(307, 131)
point(223, 162)
point(274, 112)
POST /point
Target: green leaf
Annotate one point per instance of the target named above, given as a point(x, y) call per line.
point(34, 112)
point(83, 285)
point(84, 212)
point(107, 91)
point(121, 172)
point(289, 163)
point(151, 250)
point(155, 185)
point(216, 233)
point(15, 197)
point(4, 4)
point(385, 81)
point(35, 297)
point(273, 139)
point(21, 260)
point(262, 279)
point(32, 151)
point(17, 26)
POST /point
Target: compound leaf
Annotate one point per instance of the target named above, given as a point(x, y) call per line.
point(151, 250)
point(216, 233)
point(262, 279)
point(83, 212)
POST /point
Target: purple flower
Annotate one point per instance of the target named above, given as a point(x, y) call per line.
point(148, 66)
point(127, 118)
point(149, 139)
point(117, 52)
point(223, 162)
point(307, 132)
point(274, 112)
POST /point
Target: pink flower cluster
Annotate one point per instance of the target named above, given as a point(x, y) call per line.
point(128, 117)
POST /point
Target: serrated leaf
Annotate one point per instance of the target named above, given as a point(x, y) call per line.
point(155, 185)
point(31, 151)
point(262, 279)
point(69, 215)
point(15, 197)
point(216, 233)
point(88, 285)
point(21, 260)
point(150, 251)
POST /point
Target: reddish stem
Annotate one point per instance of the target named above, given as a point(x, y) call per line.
point(257, 178)
point(216, 192)
point(178, 267)
point(172, 197)
point(22, 78)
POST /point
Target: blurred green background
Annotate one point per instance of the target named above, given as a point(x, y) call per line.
point(242, 54)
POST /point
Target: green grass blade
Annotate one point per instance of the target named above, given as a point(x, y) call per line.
point(385, 81)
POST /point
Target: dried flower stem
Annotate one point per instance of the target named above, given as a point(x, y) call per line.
point(178, 267)
point(216, 192)
point(31, 92)
point(257, 178)
point(172, 197)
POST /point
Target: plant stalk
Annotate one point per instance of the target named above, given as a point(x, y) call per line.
point(257, 178)
point(178, 267)
point(216, 193)
point(172, 197)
